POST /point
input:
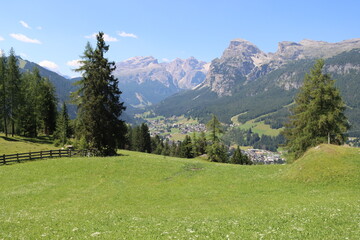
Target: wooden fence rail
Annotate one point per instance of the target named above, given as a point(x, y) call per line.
point(20, 157)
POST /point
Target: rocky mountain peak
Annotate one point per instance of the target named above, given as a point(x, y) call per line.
point(241, 48)
point(139, 62)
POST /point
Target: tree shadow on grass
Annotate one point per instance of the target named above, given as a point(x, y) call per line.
point(9, 139)
point(41, 139)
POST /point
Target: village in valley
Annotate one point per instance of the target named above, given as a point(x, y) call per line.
point(176, 128)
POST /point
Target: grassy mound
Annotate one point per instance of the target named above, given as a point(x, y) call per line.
point(326, 163)
point(145, 196)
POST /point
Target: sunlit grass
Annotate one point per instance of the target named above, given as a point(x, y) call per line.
point(145, 196)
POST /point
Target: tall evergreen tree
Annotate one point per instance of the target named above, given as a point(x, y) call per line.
point(63, 130)
point(13, 80)
point(27, 118)
point(215, 128)
point(318, 116)
point(47, 106)
point(3, 93)
point(186, 148)
point(145, 141)
point(98, 99)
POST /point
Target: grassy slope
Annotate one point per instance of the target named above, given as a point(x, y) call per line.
point(10, 145)
point(144, 196)
point(257, 127)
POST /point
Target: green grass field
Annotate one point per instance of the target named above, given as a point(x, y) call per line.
point(17, 144)
point(257, 127)
point(144, 196)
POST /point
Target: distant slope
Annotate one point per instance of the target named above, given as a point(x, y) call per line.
point(326, 163)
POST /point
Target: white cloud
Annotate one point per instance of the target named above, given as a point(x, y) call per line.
point(39, 28)
point(165, 60)
point(49, 65)
point(1, 38)
point(74, 63)
point(24, 24)
point(107, 37)
point(124, 34)
point(23, 38)
point(1, 52)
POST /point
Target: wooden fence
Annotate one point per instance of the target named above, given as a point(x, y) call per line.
point(20, 157)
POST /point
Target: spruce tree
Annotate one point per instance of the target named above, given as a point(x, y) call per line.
point(318, 116)
point(47, 106)
point(145, 139)
point(63, 130)
point(27, 118)
point(186, 148)
point(98, 99)
point(14, 84)
point(215, 129)
point(3, 93)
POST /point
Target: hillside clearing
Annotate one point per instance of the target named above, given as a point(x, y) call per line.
point(145, 196)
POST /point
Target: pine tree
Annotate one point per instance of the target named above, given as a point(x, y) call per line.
point(318, 116)
point(27, 118)
point(217, 152)
point(201, 143)
point(215, 129)
point(239, 158)
point(63, 130)
point(145, 141)
point(186, 148)
point(47, 106)
point(13, 80)
point(98, 99)
point(166, 149)
point(3, 93)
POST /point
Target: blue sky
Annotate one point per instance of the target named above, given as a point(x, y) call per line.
point(54, 33)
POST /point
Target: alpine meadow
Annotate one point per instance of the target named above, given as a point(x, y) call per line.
point(180, 120)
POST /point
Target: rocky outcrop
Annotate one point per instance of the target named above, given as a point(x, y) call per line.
point(242, 62)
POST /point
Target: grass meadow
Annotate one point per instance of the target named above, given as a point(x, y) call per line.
point(145, 196)
point(18, 144)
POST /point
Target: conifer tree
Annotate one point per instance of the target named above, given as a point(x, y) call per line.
point(98, 99)
point(13, 80)
point(3, 93)
point(239, 158)
point(47, 106)
point(215, 129)
point(217, 152)
point(27, 119)
point(62, 126)
point(145, 141)
point(186, 148)
point(318, 116)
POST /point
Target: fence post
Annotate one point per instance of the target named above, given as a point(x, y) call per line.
point(40, 154)
point(30, 156)
point(17, 157)
point(59, 153)
point(4, 159)
point(51, 153)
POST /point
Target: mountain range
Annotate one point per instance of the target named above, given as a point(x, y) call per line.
point(144, 81)
point(249, 84)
